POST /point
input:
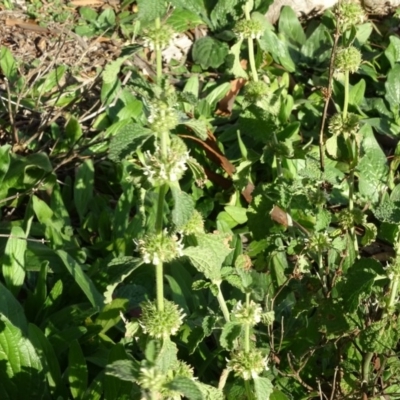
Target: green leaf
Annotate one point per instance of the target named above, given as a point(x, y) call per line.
point(210, 392)
point(117, 271)
point(235, 67)
point(121, 372)
point(263, 388)
point(279, 266)
point(149, 10)
point(372, 166)
point(83, 281)
point(176, 293)
point(13, 265)
point(238, 215)
point(192, 86)
point(112, 69)
point(106, 19)
point(185, 386)
point(218, 93)
point(363, 32)
point(126, 370)
point(360, 280)
point(95, 389)
point(184, 20)
point(198, 126)
point(290, 26)
point(77, 371)
point(195, 6)
point(8, 65)
point(317, 48)
point(230, 332)
point(388, 211)
point(392, 51)
point(73, 130)
point(220, 13)
point(133, 109)
point(370, 234)
point(209, 52)
point(166, 357)
point(357, 93)
point(88, 13)
point(4, 161)
point(379, 336)
point(49, 360)
point(127, 140)
point(183, 207)
point(22, 372)
point(278, 395)
point(110, 315)
point(279, 50)
point(209, 255)
point(392, 86)
point(52, 300)
point(53, 79)
point(83, 187)
point(12, 309)
point(182, 292)
point(85, 30)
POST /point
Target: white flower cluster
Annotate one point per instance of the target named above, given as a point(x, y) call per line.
point(160, 248)
point(161, 170)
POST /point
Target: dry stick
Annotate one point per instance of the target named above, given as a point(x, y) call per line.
point(60, 47)
point(334, 383)
point(24, 238)
point(282, 333)
point(296, 374)
point(321, 394)
point(327, 99)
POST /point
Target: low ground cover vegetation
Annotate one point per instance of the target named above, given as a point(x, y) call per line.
point(197, 204)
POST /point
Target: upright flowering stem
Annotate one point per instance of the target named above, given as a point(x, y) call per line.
point(247, 328)
point(251, 46)
point(222, 303)
point(394, 276)
point(346, 94)
point(348, 60)
point(158, 55)
point(163, 189)
point(354, 150)
point(246, 339)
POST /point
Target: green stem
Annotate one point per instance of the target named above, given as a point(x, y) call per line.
point(247, 328)
point(160, 209)
point(365, 370)
point(252, 60)
point(249, 392)
point(278, 158)
point(159, 228)
point(321, 268)
point(157, 50)
point(160, 286)
point(393, 292)
point(222, 303)
point(246, 339)
point(251, 45)
point(354, 151)
point(351, 208)
point(346, 95)
point(247, 10)
point(163, 189)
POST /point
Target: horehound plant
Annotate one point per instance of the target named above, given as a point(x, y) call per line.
point(163, 167)
point(344, 125)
